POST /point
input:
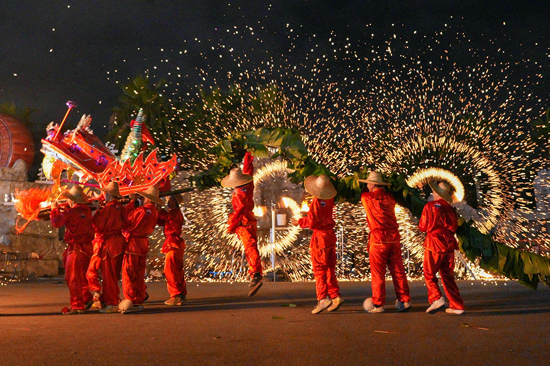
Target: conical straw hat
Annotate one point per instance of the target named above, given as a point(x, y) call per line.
point(151, 193)
point(443, 189)
point(75, 194)
point(236, 178)
point(320, 187)
point(375, 178)
point(112, 189)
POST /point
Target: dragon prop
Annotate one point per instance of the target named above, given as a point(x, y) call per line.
point(528, 268)
point(82, 153)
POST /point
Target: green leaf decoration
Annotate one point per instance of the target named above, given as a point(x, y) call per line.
point(528, 268)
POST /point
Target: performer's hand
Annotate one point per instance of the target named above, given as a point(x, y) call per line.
point(295, 222)
point(132, 196)
point(53, 206)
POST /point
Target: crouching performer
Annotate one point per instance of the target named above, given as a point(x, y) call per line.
point(384, 246)
point(242, 220)
point(323, 242)
point(141, 223)
point(109, 247)
point(440, 222)
point(77, 219)
point(173, 247)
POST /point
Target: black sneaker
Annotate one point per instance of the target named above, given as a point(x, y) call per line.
point(256, 277)
point(255, 284)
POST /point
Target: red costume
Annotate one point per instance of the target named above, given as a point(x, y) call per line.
point(440, 223)
point(174, 247)
point(384, 246)
point(141, 223)
point(78, 236)
point(108, 249)
point(242, 220)
point(322, 247)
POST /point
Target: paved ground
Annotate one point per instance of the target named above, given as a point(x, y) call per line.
point(220, 325)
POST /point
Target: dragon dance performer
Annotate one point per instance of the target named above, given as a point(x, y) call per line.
point(109, 244)
point(77, 220)
point(242, 221)
point(384, 246)
point(141, 223)
point(174, 248)
point(439, 221)
point(323, 242)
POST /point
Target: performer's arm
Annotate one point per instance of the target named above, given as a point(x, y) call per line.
point(424, 219)
point(453, 225)
point(57, 218)
point(162, 217)
point(235, 218)
point(311, 215)
point(248, 166)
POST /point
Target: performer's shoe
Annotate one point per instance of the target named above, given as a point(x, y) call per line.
point(336, 303)
point(254, 278)
point(176, 300)
point(454, 311)
point(436, 305)
point(369, 307)
point(89, 304)
point(71, 311)
point(377, 309)
point(137, 308)
point(109, 309)
point(321, 305)
point(255, 284)
point(402, 306)
point(95, 301)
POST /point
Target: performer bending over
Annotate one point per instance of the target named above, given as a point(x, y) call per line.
point(141, 223)
point(323, 242)
point(109, 246)
point(439, 221)
point(77, 220)
point(174, 247)
point(384, 246)
point(242, 220)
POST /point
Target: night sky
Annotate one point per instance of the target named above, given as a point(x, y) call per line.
point(54, 51)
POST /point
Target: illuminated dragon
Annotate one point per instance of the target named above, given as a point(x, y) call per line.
point(82, 154)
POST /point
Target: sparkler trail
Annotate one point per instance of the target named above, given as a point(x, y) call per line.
point(402, 102)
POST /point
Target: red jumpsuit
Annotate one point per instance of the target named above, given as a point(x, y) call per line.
point(109, 246)
point(242, 220)
point(174, 247)
point(323, 247)
point(141, 223)
point(440, 223)
point(78, 236)
point(384, 246)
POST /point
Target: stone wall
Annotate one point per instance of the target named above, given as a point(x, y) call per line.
point(35, 252)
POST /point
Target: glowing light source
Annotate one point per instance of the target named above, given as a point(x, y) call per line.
point(423, 176)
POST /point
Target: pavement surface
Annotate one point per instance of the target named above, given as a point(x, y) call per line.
point(504, 324)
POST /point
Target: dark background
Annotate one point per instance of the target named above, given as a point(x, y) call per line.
point(68, 50)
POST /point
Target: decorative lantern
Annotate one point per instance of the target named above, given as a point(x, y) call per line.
point(15, 142)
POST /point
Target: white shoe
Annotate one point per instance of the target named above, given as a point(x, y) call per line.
point(369, 307)
point(321, 305)
point(454, 311)
point(434, 307)
point(336, 303)
point(402, 306)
